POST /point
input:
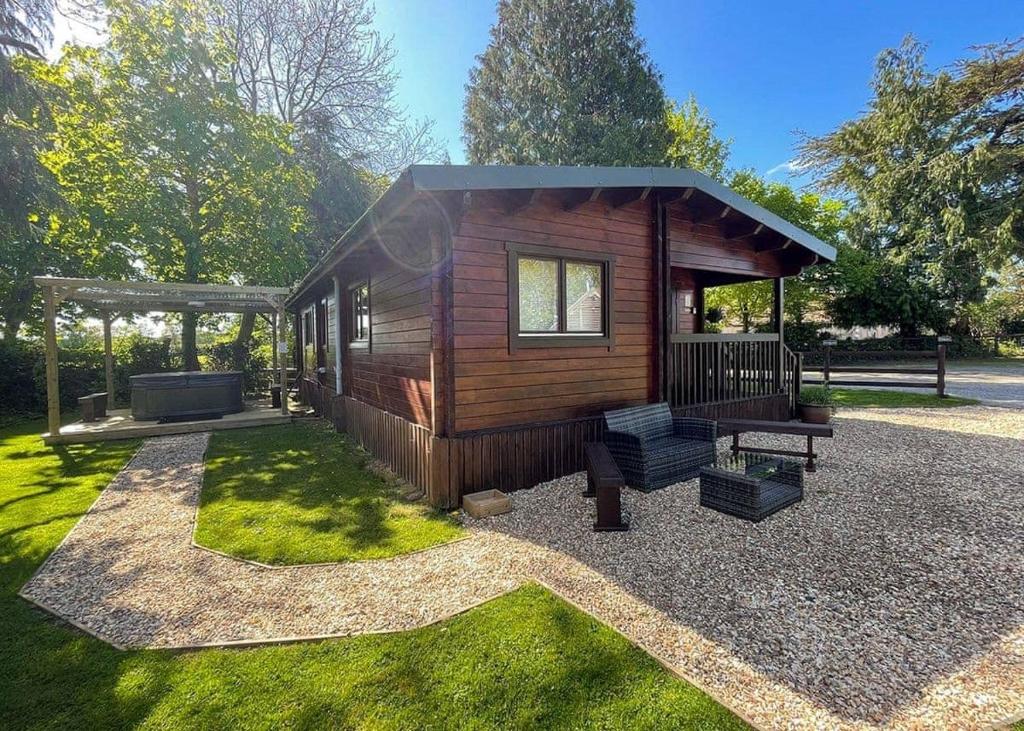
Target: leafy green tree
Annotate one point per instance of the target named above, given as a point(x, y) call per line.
point(160, 166)
point(565, 82)
point(24, 187)
point(864, 288)
point(693, 142)
point(935, 170)
point(746, 304)
point(25, 29)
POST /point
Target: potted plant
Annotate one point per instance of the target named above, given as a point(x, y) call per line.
point(816, 404)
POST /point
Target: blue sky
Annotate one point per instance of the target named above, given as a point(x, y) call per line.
point(763, 69)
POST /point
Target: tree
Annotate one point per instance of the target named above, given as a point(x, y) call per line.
point(693, 143)
point(746, 303)
point(24, 184)
point(865, 288)
point(26, 26)
point(565, 82)
point(162, 170)
point(935, 170)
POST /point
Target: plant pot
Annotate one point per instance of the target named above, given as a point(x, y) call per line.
point(814, 414)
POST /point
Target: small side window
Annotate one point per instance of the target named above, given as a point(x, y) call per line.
point(360, 295)
point(307, 327)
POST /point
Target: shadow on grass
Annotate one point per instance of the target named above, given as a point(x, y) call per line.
point(526, 659)
point(301, 493)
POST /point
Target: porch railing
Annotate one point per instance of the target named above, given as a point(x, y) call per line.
point(707, 368)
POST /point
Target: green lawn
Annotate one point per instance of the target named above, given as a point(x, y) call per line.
point(879, 399)
point(300, 493)
point(522, 661)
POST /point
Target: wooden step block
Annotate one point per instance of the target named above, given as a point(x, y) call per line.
point(486, 503)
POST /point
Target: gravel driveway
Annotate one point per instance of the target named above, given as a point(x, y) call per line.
point(890, 597)
point(993, 384)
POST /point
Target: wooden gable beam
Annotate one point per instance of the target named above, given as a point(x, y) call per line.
point(674, 195)
point(743, 230)
point(573, 198)
point(709, 215)
point(519, 200)
point(619, 198)
point(778, 243)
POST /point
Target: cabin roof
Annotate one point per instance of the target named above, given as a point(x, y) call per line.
point(424, 180)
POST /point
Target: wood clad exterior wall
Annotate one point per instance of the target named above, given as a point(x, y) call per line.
point(495, 387)
point(684, 286)
point(392, 370)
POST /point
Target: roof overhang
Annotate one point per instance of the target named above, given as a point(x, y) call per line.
point(677, 183)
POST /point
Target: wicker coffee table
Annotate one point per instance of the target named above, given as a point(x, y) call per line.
point(751, 486)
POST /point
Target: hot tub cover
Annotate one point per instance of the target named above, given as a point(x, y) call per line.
point(183, 379)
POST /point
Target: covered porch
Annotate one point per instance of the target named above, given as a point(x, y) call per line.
point(726, 375)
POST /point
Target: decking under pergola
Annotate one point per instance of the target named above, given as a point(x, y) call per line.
point(109, 297)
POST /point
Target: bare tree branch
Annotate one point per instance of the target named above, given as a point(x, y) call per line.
point(317, 62)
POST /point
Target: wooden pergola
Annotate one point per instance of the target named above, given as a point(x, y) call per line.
point(142, 297)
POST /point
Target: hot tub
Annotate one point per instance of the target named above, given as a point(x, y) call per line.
point(186, 395)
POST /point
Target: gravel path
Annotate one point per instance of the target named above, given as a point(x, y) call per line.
point(890, 597)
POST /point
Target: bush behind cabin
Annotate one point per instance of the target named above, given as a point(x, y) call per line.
point(23, 368)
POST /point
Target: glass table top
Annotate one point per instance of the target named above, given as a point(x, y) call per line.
point(754, 465)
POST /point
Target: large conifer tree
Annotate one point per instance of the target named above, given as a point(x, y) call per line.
point(565, 82)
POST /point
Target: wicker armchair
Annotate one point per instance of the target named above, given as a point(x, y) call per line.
point(653, 449)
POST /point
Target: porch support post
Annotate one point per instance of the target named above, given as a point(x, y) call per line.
point(52, 382)
point(282, 319)
point(778, 301)
point(663, 288)
point(698, 305)
point(108, 358)
point(337, 333)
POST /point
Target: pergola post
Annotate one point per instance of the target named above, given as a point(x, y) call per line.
point(52, 381)
point(282, 319)
point(108, 358)
point(337, 334)
point(273, 340)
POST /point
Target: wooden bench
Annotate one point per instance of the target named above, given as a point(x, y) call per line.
point(604, 481)
point(92, 406)
point(797, 428)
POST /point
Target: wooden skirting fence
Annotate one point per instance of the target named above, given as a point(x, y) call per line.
point(404, 447)
point(510, 458)
point(773, 407)
point(891, 379)
point(514, 458)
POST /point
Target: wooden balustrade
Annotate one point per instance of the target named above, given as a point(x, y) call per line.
point(708, 368)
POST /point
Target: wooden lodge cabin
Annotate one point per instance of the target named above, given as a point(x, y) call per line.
point(474, 324)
